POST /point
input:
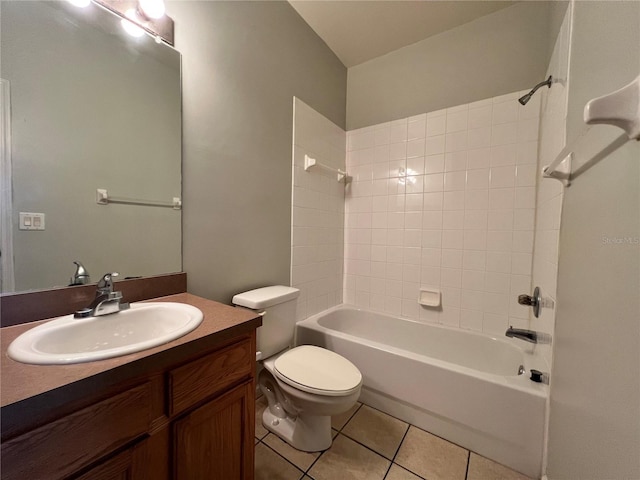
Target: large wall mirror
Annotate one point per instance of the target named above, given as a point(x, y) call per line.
point(90, 108)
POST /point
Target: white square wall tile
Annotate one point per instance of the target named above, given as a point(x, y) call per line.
point(435, 145)
point(478, 179)
point(526, 175)
point(450, 297)
point(475, 220)
point(477, 199)
point(472, 300)
point(434, 182)
point(502, 199)
point(504, 134)
point(434, 163)
point(454, 200)
point(455, 161)
point(456, 141)
point(381, 133)
point(398, 131)
point(479, 137)
point(503, 177)
point(415, 148)
point(502, 155)
point(453, 219)
point(480, 117)
point(436, 125)
point(452, 259)
point(417, 127)
point(474, 260)
point(471, 320)
point(455, 181)
point(432, 200)
point(450, 316)
point(479, 158)
point(473, 280)
point(457, 121)
point(505, 112)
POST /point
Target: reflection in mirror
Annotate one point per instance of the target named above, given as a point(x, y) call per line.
point(91, 108)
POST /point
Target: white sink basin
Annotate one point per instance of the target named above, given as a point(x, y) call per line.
point(66, 340)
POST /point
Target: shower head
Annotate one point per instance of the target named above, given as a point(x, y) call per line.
point(525, 98)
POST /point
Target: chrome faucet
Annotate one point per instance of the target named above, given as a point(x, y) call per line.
point(528, 335)
point(81, 276)
point(107, 301)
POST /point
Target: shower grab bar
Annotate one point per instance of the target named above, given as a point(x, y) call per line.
point(621, 109)
point(312, 162)
point(103, 198)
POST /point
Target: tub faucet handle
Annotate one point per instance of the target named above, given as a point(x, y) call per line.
point(533, 301)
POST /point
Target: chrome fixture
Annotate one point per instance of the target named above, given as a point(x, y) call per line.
point(535, 301)
point(539, 377)
point(528, 335)
point(81, 277)
point(525, 98)
point(107, 301)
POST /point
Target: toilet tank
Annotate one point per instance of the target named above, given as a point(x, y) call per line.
point(277, 305)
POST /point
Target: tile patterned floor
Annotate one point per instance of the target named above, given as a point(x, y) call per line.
point(371, 445)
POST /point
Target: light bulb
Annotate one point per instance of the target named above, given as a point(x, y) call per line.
point(130, 27)
point(80, 3)
point(152, 8)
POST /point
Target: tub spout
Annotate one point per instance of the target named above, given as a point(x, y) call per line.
point(528, 335)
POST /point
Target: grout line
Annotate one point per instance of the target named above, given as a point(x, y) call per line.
point(287, 460)
point(466, 473)
point(350, 418)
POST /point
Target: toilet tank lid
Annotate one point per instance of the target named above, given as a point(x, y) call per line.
point(265, 297)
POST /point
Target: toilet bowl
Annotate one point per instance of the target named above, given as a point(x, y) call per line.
point(305, 385)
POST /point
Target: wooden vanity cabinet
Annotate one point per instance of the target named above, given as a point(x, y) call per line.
point(194, 419)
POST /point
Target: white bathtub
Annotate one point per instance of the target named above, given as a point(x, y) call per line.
point(457, 384)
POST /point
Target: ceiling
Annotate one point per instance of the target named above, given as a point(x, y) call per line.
point(359, 30)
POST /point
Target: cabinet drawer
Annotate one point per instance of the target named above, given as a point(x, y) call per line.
point(62, 447)
point(197, 380)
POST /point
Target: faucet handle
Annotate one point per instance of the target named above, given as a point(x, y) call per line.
point(105, 285)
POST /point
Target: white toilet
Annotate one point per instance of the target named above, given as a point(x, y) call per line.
point(304, 385)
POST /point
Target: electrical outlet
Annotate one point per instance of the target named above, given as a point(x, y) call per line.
point(31, 221)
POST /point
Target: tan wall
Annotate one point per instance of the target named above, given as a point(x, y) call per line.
point(243, 62)
point(594, 429)
point(499, 53)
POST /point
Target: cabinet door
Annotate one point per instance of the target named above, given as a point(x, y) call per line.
point(120, 467)
point(215, 441)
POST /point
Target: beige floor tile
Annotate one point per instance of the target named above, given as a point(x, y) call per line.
point(481, 468)
point(432, 457)
point(302, 460)
point(334, 433)
point(399, 473)
point(271, 466)
point(378, 431)
point(261, 404)
point(339, 421)
point(347, 460)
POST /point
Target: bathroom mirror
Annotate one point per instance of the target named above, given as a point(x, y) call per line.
point(91, 107)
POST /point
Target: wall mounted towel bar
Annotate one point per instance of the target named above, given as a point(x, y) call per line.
point(621, 109)
point(103, 198)
point(312, 162)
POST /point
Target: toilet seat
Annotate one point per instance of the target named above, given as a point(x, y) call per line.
point(317, 370)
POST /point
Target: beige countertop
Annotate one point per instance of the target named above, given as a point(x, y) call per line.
point(20, 381)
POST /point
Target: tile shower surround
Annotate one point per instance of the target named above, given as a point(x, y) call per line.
point(317, 240)
point(444, 200)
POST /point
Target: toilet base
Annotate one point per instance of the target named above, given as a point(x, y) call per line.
point(309, 433)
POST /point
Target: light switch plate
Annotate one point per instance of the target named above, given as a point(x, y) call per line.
point(31, 221)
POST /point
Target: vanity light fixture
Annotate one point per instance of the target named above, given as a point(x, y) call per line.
point(80, 3)
point(152, 8)
point(129, 23)
point(140, 16)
